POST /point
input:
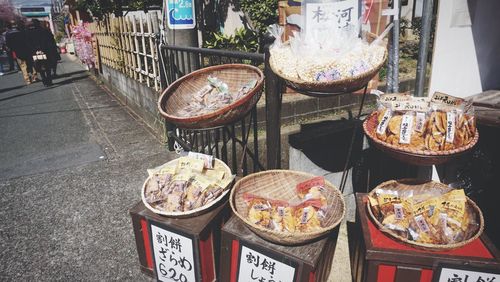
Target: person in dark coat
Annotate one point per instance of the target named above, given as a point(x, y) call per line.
point(17, 41)
point(42, 40)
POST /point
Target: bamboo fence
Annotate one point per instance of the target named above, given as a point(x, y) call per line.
point(129, 45)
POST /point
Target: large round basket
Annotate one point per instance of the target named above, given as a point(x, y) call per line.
point(203, 209)
point(180, 93)
point(413, 156)
point(280, 184)
point(421, 187)
point(328, 88)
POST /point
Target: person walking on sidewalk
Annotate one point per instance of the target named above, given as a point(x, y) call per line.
point(8, 52)
point(42, 42)
point(18, 43)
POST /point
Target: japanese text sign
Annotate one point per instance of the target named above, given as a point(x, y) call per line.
point(450, 274)
point(180, 14)
point(321, 16)
point(255, 266)
point(173, 255)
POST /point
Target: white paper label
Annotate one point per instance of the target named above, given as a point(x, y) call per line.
point(422, 224)
point(281, 211)
point(398, 211)
point(450, 127)
point(208, 160)
point(173, 253)
point(406, 129)
point(255, 266)
point(325, 16)
point(450, 274)
point(420, 122)
point(382, 126)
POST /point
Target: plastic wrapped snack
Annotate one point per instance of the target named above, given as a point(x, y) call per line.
point(282, 218)
point(259, 210)
point(423, 225)
point(307, 216)
point(313, 188)
point(186, 186)
point(395, 209)
point(329, 55)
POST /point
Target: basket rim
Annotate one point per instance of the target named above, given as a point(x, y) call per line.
point(168, 92)
point(306, 236)
point(190, 212)
point(434, 247)
point(311, 84)
point(415, 152)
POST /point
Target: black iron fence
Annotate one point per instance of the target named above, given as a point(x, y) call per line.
point(237, 144)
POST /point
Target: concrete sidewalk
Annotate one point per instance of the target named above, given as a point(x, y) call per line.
point(72, 162)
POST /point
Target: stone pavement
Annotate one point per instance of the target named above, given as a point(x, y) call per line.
point(72, 162)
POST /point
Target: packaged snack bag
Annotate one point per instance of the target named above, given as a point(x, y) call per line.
point(425, 218)
point(452, 215)
point(195, 192)
point(176, 192)
point(282, 216)
point(313, 188)
point(395, 209)
point(307, 217)
point(259, 210)
point(188, 165)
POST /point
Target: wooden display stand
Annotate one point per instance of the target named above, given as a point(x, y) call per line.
point(377, 257)
point(203, 231)
point(246, 256)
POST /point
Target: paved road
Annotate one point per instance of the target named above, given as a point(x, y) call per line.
point(72, 161)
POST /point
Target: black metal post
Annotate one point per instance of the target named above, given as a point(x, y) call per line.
point(273, 114)
point(423, 50)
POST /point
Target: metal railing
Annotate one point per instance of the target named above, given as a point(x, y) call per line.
point(236, 144)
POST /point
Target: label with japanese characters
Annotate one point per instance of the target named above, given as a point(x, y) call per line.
point(328, 15)
point(382, 126)
point(422, 224)
point(445, 99)
point(461, 275)
point(173, 255)
point(420, 122)
point(254, 266)
point(398, 211)
point(406, 129)
point(450, 127)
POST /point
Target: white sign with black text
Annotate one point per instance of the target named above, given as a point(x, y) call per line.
point(327, 15)
point(255, 266)
point(173, 254)
point(460, 275)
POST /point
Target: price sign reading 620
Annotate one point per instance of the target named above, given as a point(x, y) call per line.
point(173, 254)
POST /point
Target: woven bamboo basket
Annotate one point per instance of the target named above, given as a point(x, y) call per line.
point(179, 94)
point(201, 210)
point(413, 156)
point(280, 185)
point(421, 187)
point(327, 88)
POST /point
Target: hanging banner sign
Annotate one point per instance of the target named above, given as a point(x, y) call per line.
point(180, 14)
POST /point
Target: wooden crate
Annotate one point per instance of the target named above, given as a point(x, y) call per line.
point(377, 257)
point(203, 231)
point(310, 262)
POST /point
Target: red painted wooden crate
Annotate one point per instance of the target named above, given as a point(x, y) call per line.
point(311, 262)
point(203, 230)
point(377, 257)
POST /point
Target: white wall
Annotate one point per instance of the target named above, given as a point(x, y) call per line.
point(454, 64)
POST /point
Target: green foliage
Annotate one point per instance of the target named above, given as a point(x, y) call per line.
point(262, 13)
point(243, 40)
point(99, 8)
